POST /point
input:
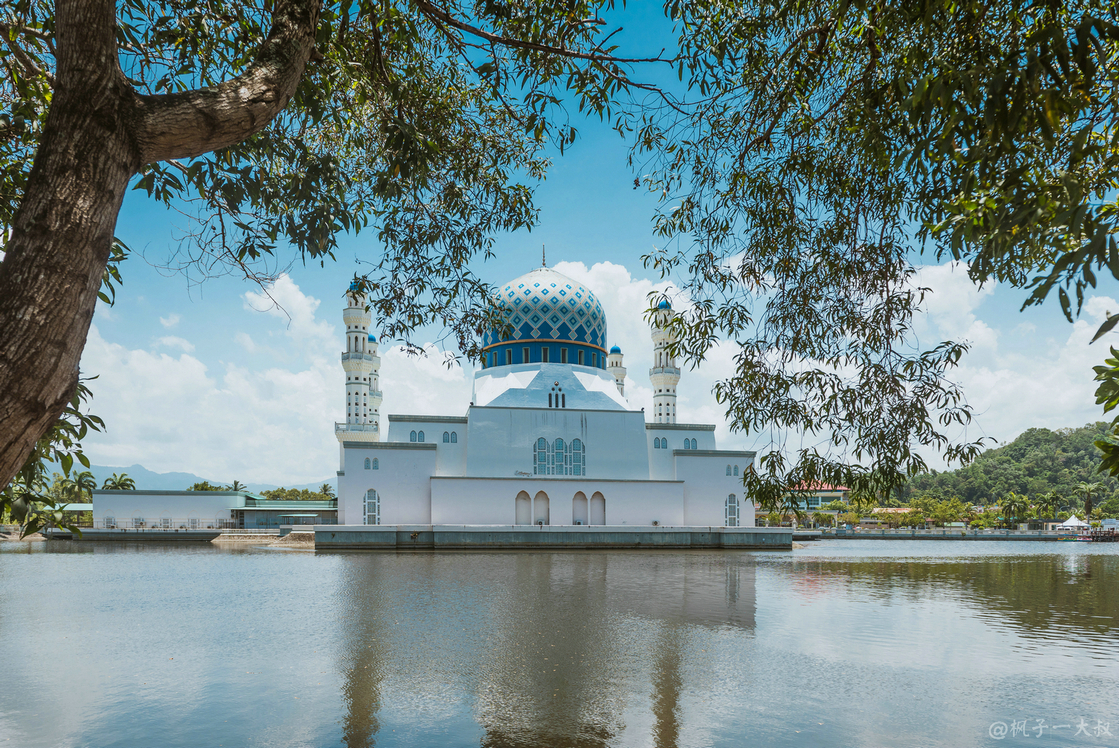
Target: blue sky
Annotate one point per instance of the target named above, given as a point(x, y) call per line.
point(211, 379)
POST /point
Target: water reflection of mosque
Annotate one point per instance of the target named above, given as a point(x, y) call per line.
point(537, 649)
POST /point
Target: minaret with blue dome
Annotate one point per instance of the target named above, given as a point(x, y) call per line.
point(615, 367)
point(665, 373)
point(362, 366)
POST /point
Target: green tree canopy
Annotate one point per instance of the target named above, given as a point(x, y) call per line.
point(1039, 462)
point(276, 126)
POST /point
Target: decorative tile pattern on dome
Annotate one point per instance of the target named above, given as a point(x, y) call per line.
point(545, 305)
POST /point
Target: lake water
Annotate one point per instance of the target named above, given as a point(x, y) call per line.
point(842, 643)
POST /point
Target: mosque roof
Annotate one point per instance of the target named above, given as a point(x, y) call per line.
point(546, 305)
point(615, 349)
point(528, 386)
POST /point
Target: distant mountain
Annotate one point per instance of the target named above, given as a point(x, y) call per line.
point(181, 481)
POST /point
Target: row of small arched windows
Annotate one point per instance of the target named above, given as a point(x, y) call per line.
point(372, 464)
point(449, 437)
point(659, 443)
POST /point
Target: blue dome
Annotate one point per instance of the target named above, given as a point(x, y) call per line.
point(615, 349)
point(372, 339)
point(664, 304)
point(353, 285)
point(547, 306)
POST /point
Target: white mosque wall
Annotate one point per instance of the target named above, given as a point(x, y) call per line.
point(401, 478)
point(671, 436)
point(500, 440)
point(447, 433)
point(707, 485)
point(151, 506)
point(493, 501)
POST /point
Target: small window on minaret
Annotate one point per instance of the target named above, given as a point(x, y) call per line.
point(580, 358)
point(508, 356)
point(524, 355)
point(544, 354)
point(563, 355)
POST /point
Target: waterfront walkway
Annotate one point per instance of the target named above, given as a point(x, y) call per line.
point(942, 533)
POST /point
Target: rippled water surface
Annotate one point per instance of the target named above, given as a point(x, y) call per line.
point(842, 643)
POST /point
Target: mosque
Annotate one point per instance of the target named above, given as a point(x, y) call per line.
point(548, 437)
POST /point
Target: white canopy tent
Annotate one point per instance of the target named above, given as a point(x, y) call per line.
point(1073, 522)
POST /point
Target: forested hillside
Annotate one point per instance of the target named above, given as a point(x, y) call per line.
point(1035, 463)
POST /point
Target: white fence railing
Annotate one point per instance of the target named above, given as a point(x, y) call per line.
point(163, 523)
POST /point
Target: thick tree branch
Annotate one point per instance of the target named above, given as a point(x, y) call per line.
point(188, 124)
point(98, 133)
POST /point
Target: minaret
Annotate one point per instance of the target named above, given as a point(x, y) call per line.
point(362, 366)
point(664, 375)
point(614, 366)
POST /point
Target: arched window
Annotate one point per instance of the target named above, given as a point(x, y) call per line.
point(732, 511)
point(454, 437)
point(540, 457)
point(372, 508)
point(368, 463)
point(421, 436)
point(446, 437)
point(412, 437)
point(376, 464)
point(558, 457)
point(736, 470)
point(578, 458)
point(694, 445)
point(657, 443)
point(728, 469)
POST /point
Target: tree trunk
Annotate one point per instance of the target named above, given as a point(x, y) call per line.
point(98, 134)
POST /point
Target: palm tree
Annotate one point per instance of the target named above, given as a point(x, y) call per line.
point(84, 485)
point(1086, 490)
point(1049, 503)
point(327, 490)
point(237, 485)
point(119, 483)
point(1014, 506)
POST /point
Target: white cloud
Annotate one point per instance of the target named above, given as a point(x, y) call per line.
point(284, 301)
point(171, 341)
point(422, 385)
point(950, 307)
point(170, 320)
point(246, 342)
point(272, 424)
point(1026, 381)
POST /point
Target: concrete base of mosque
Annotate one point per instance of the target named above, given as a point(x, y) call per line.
point(564, 537)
